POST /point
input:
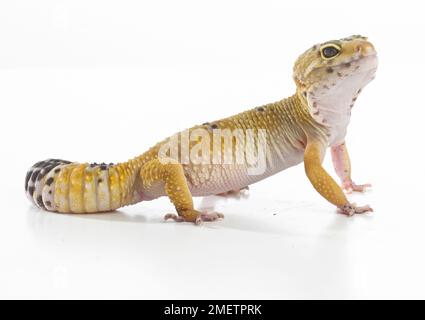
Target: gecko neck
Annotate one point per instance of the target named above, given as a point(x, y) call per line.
point(295, 124)
point(332, 110)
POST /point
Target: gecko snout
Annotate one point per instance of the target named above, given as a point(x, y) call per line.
point(365, 48)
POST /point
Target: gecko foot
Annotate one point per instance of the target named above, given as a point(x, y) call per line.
point(241, 193)
point(350, 186)
point(194, 216)
point(351, 208)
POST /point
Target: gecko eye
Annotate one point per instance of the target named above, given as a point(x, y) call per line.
point(330, 51)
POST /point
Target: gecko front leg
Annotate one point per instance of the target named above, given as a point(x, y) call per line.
point(342, 165)
point(323, 182)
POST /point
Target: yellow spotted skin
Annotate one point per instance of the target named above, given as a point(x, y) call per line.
point(329, 76)
point(114, 191)
point(89, 189)
point(76, 189)
point(62, 189)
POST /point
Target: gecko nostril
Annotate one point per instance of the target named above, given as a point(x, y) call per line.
point(365, 48)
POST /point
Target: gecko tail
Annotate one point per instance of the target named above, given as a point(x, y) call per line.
point(71, 187)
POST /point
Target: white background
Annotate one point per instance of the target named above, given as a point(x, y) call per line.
point(104, 80)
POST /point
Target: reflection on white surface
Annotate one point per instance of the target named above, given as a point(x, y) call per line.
point(262, 249)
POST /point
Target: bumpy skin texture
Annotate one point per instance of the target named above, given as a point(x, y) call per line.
point(329, 77)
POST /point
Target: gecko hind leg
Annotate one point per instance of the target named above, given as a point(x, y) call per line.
point(177, 190)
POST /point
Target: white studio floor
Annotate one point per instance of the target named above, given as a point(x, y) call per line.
point(275, 244)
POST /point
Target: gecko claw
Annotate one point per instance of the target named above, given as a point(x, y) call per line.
point(350, 186)
point(351, 208)
point(174, 217)
point(208, 217)
point(199, 219)
point(363, 209)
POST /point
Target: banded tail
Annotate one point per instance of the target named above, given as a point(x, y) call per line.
point(71, 187)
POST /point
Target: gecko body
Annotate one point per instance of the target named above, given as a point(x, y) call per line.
point(231, 153)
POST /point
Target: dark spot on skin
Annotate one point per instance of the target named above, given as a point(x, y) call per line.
point(48, 203)
point(351, 105)
point(205, 123)
point(31, 191)
point(329, 70)
point(39, 164)
point(314, 104)
point(41, 175)
point(339, 74)
point(46, 164)
point(57, 170)
point(316, 113)
point(324, 121)
point(59, 161)
point(261, 109)
point(49, 181)
point(325, 87)
point(314, 48)
point(214, 126)
point(347, 65)
point(357, 67)
point(103, 166)
point(40, 201)
point(360, 90)
point(50, 191)
point(48, 169)
point(99, 181)
point(34, 175)
point(354, 99)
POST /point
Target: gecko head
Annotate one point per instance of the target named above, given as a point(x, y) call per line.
point(336, 66)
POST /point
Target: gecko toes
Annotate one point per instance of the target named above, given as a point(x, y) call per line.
point(194, 216)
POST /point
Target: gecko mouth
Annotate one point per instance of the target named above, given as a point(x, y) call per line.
point(358, 61)
point(361, 69)
point(362, 64)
